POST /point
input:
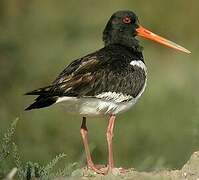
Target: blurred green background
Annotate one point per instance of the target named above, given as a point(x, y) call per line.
point(39, 38)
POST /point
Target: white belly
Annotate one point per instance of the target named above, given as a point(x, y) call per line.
point(96, 106)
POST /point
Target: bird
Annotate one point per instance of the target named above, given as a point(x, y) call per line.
point(106, 82)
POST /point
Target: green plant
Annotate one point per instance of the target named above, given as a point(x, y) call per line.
point(30, 170)
point(6, 148)
point(6, 142)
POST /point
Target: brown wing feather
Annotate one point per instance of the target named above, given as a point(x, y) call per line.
point(74, 77)
point(78, 67)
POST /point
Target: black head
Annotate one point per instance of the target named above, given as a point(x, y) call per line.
point(122, 28)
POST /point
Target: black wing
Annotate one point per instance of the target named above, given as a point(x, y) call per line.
point(106, 70)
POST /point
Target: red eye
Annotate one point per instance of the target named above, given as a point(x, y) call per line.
point(126, 20)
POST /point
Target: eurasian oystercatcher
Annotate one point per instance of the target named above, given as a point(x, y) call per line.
point(106, 82)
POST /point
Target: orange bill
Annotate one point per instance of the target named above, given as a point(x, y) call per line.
point(142, 32)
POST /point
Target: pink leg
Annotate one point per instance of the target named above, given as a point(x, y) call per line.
point(84, 134)
point(109, 135)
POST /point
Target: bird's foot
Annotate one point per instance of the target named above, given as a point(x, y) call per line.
point(99, 169)
point(111, 170)
point(104, 170)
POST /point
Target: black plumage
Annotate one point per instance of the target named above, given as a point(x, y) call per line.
point(106, 70)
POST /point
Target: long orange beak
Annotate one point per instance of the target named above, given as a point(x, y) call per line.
point(142, 32)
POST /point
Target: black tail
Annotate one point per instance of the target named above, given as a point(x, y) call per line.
point(41, 103)
point(44, 99)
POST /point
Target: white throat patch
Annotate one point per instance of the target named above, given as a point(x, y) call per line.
point(138, 63)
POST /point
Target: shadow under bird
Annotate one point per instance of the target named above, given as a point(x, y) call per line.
point(106, 82)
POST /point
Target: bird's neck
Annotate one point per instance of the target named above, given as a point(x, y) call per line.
point(129, 42)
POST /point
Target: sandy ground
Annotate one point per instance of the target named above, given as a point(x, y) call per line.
point(190, 171)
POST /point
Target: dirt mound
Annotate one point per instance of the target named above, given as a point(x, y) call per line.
point(190, 171)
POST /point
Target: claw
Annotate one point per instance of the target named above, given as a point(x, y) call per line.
point(95, 169)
